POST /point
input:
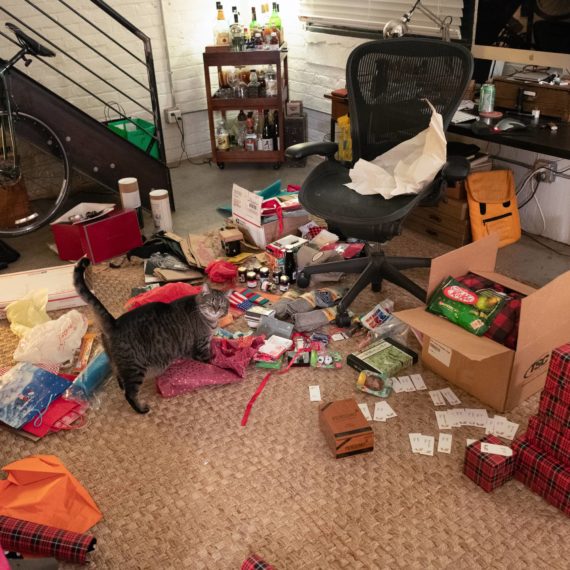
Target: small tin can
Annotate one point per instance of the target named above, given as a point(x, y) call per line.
point(276, 276)
point(266, 285)
point(264, 274)
point(251, 279)
point(283, 283)
point(242, 270)
point(487, 98)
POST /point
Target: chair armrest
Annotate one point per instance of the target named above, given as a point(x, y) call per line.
point(302, 150)
point(455, 169)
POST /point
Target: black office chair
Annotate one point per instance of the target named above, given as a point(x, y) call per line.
point(387, 83)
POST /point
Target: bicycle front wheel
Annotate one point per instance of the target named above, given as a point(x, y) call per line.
point(32, 196)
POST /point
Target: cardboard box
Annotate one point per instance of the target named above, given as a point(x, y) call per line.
point(294, 108)
point(100, 238)
point(248, 218)
point(345, 428)
point(57, 280)
point(500, 377)
point(488, 470)
point(275, 251)
point(231, 239)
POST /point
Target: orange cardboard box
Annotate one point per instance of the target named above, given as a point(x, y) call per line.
point(500, 377)
point(345, 428)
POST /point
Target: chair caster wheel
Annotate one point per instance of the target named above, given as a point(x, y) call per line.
point(376, 287)
point(343, 320)
point(221, 165)
point(303, 280)
point(276, 166)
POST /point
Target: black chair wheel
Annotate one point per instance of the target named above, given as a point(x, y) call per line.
point(303, 280)
point(221, 165)
point(343, 320)
point(376, 287)
point(276, 166)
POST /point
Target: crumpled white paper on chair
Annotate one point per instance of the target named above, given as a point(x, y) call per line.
point(405, 169)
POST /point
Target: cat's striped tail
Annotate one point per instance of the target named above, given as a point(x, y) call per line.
point(106, 320)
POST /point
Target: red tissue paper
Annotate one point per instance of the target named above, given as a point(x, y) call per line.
point(221, 271)
point(165, 294)
point(235, 354)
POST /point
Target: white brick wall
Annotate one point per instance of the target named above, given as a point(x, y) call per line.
point(316, 66)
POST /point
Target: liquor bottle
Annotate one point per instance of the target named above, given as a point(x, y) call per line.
point(290, 265)
point(254, 24)
point(265, 23)
point(236, 33)
point(266, 133)
point(241, 122)
point(276, 143)
point(250, 142)
point(221, 30)
point(275, 18)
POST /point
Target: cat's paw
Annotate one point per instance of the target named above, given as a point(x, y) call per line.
point(145, 409)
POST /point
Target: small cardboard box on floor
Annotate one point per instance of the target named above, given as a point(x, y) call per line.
point(500, 377)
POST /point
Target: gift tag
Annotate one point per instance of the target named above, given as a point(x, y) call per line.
point(418, 381)
point(383, 411)
point(509, 430)
point(496, 449)
point(437, 397)
point(397, 386)
point(450, 396)
point(407, 383)
point(415, 442)
point(365, 411)
point(442, 421)
point(427, 444)
point(315, 393)
point(444, 443)
point(470, 441)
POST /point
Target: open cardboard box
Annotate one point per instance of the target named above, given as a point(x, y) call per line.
point(500, 377)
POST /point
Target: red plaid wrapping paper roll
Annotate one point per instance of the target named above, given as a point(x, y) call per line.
point(488, 470)
point(558, 377)
point(32, 538)
point(545, 435)
point(254, 562)
point(554, 410)
point(541, 473)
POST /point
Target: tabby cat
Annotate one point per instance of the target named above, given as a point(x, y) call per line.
point(146, 340)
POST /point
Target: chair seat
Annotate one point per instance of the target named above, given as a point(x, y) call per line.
point(324, 194)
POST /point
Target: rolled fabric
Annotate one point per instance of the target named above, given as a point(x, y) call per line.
point(32, 538)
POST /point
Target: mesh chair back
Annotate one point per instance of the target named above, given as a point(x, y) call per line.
point(387, 81)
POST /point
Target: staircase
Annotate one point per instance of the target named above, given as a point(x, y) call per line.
point(103, 72)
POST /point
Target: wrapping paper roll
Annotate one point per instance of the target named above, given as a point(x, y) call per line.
point(130, 196)
point(32, 538)
point(160, 206)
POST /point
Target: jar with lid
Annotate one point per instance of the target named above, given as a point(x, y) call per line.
point(251, 279)
point(284, 283)
point(263, 274)
point(242, 271)
point(253, 85)
point(222, 136)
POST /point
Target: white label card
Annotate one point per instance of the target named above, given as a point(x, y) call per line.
point(427, 444)
point(496, 449)
point(315, 393)
point(418, 381)
point(397, 386)
point(437, 398)
point(415, 442)
point(440, 352)
point(442, 422)
point(407, 383)
point(444, 443)
point(365, 411)
point(450, 396)
point(383, 412)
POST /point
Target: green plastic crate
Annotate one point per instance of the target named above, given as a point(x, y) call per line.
point(139, 132)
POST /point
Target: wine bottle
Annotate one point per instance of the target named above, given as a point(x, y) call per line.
point(267, 133)
point(276, 143)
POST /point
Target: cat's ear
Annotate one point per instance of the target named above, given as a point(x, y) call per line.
point(205, 289)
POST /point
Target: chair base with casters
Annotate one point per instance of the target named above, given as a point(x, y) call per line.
point(374, 267)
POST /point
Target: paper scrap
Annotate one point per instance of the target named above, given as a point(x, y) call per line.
point(444, 443)
point(315, 393)
point(365, 411)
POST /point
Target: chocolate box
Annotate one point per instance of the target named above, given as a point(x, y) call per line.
point(345, 428)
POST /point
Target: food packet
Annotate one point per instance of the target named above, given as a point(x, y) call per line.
point(472, 310)
point(373, 383)
point(325, 359)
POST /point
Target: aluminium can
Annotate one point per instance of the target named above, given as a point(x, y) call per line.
point(487, 98)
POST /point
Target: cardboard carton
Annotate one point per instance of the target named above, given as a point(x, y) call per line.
point(498, 376)
point(57, 280)
point(345, 428)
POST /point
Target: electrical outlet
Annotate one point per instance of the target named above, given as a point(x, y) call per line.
point(546, 175)
point(172, 115)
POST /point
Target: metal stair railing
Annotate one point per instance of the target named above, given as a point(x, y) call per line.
point(151, 90)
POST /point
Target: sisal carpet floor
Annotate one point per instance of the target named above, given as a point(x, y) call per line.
point(186, 487)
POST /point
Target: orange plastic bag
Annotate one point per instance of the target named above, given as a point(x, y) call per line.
point(40, 489)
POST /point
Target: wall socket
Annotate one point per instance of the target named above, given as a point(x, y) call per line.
point(546, 175)
point(173, 114)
